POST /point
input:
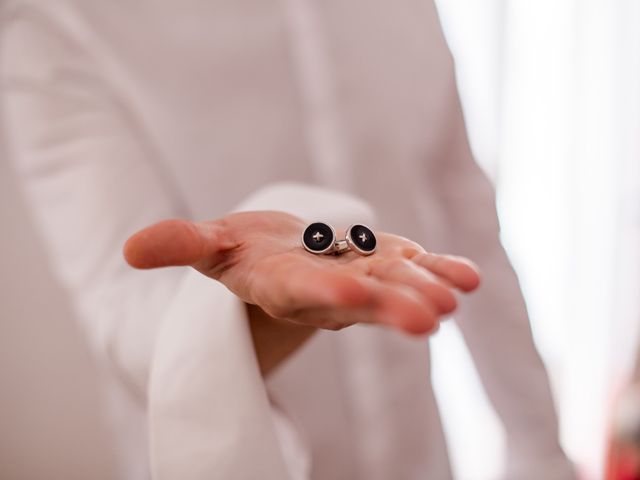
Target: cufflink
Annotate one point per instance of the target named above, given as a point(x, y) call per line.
point(319, 238)
point(361, 239)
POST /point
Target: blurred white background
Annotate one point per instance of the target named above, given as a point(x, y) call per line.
point(551, 92)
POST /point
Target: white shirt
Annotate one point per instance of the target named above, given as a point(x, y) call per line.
point(123, 113)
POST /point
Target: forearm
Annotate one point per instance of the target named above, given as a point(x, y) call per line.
point(274, 340)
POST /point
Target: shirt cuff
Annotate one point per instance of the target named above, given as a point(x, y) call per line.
point(310, 203)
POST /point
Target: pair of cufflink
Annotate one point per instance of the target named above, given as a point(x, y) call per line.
point(320, 238)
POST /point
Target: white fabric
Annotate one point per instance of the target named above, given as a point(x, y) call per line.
point(564, 144)
point(123, 113)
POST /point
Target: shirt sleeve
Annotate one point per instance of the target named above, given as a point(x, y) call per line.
point(192, 365)
point(494, 320)
point(178, 340)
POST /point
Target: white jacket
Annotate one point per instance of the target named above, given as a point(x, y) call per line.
point(120, 114)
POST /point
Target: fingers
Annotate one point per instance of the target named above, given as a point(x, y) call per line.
point(404, 308)
point(406, 272)
point(335, 298)
point(288, 289)
point(395, 306)
point(459, 271)
point(176, 242)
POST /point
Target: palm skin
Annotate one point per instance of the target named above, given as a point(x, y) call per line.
point(258, 256)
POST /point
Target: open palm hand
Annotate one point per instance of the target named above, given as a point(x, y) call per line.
point(258, 256)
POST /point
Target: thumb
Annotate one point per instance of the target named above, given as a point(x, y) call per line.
point(175, 243)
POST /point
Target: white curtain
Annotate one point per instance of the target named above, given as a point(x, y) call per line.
point(551, 91)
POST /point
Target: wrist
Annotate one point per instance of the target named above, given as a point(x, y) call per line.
point(274, 340)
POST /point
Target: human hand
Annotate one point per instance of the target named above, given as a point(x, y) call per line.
point(258, 256)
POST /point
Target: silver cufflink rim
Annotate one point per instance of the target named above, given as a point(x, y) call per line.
point(331, 247)
point(353, 245)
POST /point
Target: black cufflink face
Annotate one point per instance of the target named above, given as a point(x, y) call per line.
point(319, 238)
point(361, 239)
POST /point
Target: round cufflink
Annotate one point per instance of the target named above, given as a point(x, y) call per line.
point(361, 239)
point(319, 238)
